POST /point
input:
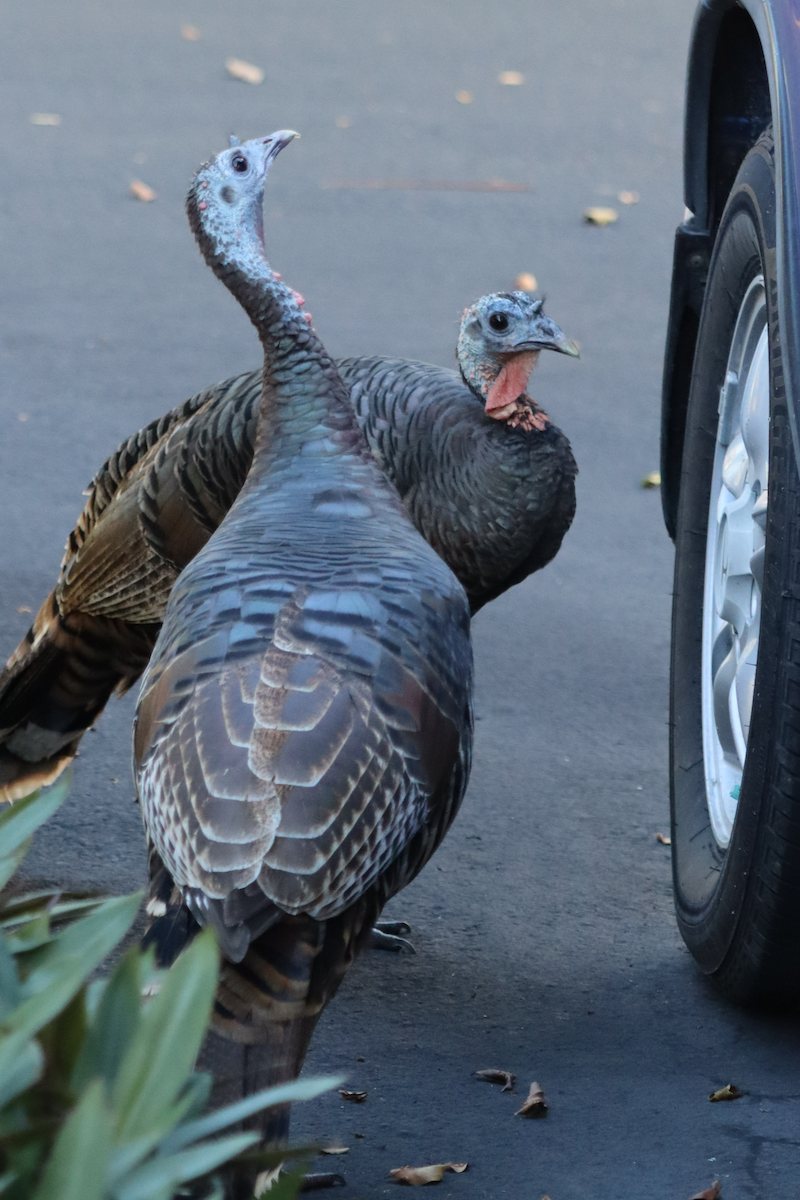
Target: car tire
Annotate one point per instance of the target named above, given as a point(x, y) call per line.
point(735, 670)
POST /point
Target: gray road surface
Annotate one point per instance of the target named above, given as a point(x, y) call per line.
point(544, 928)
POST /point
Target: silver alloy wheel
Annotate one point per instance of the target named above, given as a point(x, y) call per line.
point(734, 569)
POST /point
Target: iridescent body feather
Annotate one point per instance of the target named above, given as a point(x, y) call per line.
point(304, 728)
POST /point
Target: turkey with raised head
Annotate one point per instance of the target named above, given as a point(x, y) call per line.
point(303, 733)
point(488, 481)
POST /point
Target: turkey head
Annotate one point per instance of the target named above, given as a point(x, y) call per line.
point(498, 346)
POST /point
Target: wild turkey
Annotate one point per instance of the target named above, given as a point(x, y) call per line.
point(492, 490)
point(303, 733)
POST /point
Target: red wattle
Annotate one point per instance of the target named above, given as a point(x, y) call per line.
point(512, 380)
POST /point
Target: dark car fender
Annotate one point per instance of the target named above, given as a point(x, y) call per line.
point(743, 72)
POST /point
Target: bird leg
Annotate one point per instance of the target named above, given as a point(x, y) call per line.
point(386, 935)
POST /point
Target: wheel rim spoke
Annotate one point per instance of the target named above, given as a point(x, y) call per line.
point(735, 561)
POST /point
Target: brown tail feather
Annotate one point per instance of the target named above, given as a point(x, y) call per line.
point(56, 684)
point(171, 926)
point(267, 1005)
point(263, 1020)
point(18, 778)
point(266, 1010)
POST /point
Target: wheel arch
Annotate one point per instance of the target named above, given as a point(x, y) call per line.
point(737, 83)
point(728, 105)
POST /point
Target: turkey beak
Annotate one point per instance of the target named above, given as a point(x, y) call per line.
point(277, 142)
point(566, 346)
point(549, 337)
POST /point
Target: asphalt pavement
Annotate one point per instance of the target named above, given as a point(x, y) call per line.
point(545, 937)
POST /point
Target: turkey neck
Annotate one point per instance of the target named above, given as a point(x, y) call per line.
point(305, 408)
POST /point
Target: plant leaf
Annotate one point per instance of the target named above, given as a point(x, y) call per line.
point(9, 981)
point(114, 1026)
point(29, 933)
point(166, 1044)
point(21, 819)
point(123, 1159)
point(21, 1064)
point(299, 1089)
point(57, 904)
point(77, 1167)
point(62, 967)
point(9, 863)
point(62, 1038)
point(198, 1088)
point(178, 1168)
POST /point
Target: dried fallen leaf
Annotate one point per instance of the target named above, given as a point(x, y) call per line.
point(662, 837)
point(22, 417)
point(729, 1092)
point(710, 1193)
point(245, 71)
point(495, 1076)
point(464, 97)
point(343, 122)
point(600, 216)
point(653, 480)
point(141, 191)
point(525, 282)
point(535, 1105)
point(355, 1097)
point(190, 33)
point(417, 1176)
point(335, 1149)
point(24, 608)
point(511, 78)
point(628, 197)
point(45, 119)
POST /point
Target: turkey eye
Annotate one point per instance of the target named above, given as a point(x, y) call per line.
point(239, 163)
point(498, 321)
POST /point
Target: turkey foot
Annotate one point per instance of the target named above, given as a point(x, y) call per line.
point(386, 936)
point(311, 1183)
